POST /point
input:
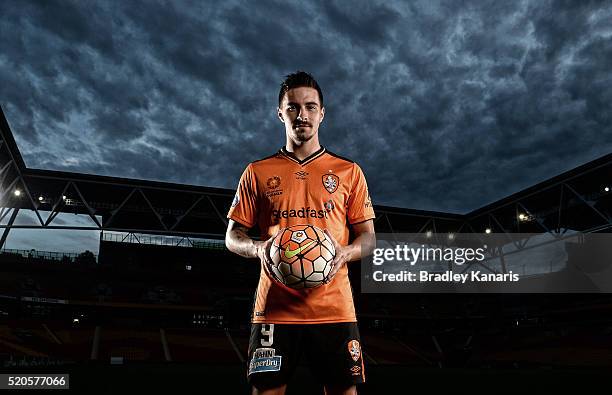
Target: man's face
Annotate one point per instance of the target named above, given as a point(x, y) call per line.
point(301, 112)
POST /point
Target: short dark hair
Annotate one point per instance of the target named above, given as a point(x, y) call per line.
point(296, 80)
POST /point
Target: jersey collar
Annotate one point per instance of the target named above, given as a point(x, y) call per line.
point(289, 155)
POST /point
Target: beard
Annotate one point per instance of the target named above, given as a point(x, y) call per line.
point(303, 135)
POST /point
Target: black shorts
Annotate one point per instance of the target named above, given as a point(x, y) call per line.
point(333, 351)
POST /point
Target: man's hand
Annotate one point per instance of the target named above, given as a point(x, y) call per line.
point(343, 255)
point(362, 245)
point(238, 241)
point(263, 253)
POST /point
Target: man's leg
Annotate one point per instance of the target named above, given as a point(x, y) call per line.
point(340, 390)
point(335, 355)
point(269, 391)
point(272, 357)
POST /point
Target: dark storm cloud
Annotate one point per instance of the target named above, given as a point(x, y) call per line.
point(446, 105)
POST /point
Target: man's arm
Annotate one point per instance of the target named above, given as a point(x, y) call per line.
point(238, 241)
point(365, 238)
point(362, 245)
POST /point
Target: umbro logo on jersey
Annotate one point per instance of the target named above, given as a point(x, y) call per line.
point(301, 175)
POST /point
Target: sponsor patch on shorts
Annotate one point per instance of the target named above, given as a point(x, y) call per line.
point(265, 360)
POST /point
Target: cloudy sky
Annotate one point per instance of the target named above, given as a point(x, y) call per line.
point(446, 105)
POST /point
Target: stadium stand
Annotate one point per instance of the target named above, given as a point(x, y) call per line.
point(163, 289)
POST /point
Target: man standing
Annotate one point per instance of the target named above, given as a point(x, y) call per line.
point(319, 322)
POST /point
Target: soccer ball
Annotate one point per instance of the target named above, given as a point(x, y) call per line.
point(301, 256)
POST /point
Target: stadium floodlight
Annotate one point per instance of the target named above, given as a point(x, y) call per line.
point(488, 230)
point(428, 234)
point(188, 267)
point(525, 217)
point(75, 320)
point(64, 197)
point(607, 189)
point(17, 192)
point(40, 198)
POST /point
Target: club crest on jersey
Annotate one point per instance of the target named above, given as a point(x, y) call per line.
point(329, 205)
point(273, 182)
point(330, 182)
point(354, 349)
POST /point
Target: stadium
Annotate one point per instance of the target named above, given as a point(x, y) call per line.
point(164, 305)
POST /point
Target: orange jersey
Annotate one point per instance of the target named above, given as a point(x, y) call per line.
point(324, 190)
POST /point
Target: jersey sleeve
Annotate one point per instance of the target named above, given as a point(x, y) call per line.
point(360, 206)
point(243, 208)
